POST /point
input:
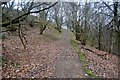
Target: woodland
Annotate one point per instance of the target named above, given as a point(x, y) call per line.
point(60, 39)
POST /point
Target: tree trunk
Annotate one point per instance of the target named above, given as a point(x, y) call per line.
point(42, 28)
point(99, 40)
point(116, 27)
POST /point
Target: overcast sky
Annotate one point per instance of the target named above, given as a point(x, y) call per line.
point(65, 0)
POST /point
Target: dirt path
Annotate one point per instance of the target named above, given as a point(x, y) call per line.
point(67, 64)
point(45, 56)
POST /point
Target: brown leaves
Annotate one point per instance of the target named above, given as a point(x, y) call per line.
point(105, 66)
point(35, 61)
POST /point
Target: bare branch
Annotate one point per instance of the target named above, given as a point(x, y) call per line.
point(16, 20)
point(108, 6)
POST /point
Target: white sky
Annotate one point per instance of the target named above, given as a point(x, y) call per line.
point(63, 0)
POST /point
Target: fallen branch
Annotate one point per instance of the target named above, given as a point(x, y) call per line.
point(101, 55)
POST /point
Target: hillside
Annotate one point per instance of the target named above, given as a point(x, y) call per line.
point(50, 55)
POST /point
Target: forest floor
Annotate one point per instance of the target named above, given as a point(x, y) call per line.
point(52, 55)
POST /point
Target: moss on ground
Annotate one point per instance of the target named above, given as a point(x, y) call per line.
point(83, 59)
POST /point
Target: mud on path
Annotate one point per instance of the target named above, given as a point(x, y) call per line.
point(48, 55)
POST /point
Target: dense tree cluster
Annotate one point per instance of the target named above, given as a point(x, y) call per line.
point(96, 24)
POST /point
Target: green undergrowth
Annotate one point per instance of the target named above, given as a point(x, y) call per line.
point(51, 35)
point(4, 61)
point(83, 59)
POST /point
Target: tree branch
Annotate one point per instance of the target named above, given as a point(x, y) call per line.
point(108, 6)
point(16, 20)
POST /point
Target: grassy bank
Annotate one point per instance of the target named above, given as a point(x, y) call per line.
point(83, 59)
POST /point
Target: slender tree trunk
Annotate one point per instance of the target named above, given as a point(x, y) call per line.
point(116, 29)
point(19, 32)
point(99, 40)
